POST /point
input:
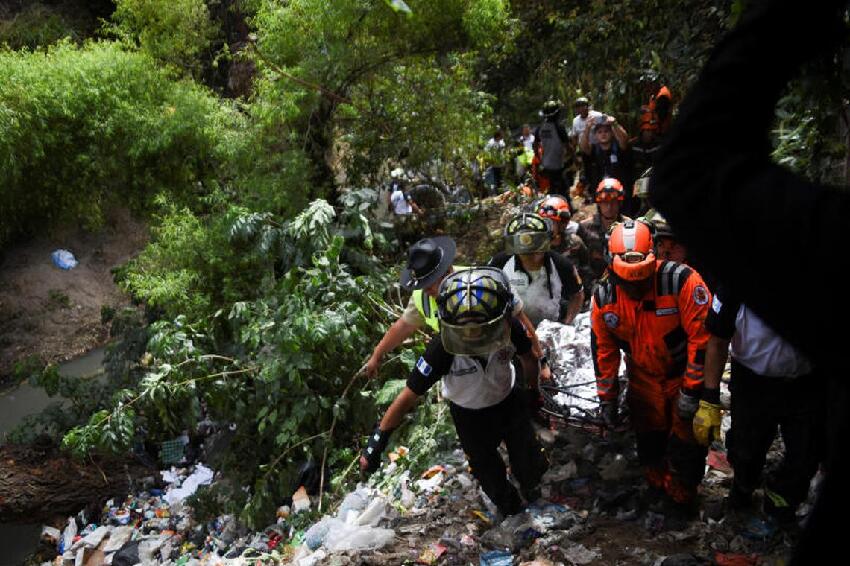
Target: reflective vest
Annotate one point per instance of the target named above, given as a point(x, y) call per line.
point(428, 309)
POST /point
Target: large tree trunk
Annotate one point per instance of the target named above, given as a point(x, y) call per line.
point(319, 140)
point(38, 483)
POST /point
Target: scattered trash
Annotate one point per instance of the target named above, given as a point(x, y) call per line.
point(722, 559)
point(300, 500)
point(612, 467)
point(201, 476)
point(561, 473)
point(342, 537)
point(759, 529)
point(63, 259)
point(578, 554)
point(718, 461)
point(496, 558)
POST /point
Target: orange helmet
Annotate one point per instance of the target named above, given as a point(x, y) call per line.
point(609, 189)
point(631, 253)
point(555, 208)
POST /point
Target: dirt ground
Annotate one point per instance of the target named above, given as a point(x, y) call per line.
point(54, 315)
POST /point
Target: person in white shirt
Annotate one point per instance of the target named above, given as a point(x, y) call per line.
point(584, 114)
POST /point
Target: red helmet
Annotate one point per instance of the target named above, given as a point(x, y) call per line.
point(555, 208)
point(631, 253)
point(609, 189)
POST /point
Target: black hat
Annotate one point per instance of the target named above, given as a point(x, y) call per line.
point(427, 261)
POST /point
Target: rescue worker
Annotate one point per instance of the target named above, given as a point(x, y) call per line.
point(653, 311)
point(772, 388)
point(552, 139)
point(565, 237)
point(593, 232)
point(429, 261)
point(472, 356)
point(667, 245)
point(547, 282)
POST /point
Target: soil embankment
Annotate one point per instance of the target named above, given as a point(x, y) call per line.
point(51, 315)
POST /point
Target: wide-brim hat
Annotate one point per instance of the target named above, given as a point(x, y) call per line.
point(427, 261)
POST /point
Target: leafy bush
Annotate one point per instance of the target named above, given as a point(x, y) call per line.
point(265, 333)
point(83, 127)
point(37, 25)
point(175, 32)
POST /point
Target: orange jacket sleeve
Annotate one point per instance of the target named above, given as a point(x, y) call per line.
point(606, 356)
point(694, 302)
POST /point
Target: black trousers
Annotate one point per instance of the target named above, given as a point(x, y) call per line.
point(482, 430)
point(760, 406)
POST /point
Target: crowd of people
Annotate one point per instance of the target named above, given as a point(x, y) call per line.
point(648, 304)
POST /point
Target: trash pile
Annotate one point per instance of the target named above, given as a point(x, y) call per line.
point(594, 509)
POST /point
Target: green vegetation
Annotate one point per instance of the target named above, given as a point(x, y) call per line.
point(83, 128)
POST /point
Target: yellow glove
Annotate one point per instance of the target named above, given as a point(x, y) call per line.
point(707, 423)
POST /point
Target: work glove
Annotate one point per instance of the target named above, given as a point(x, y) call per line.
point(610, 413)
point(687, 405)
point(708, 417)
point(370, 459)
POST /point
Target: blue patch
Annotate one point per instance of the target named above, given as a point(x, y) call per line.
point(424, 367)
point(611, 319)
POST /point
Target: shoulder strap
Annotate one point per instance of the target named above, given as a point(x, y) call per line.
point(671, 278)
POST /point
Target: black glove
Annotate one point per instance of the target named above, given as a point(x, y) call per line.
point(610, 414)
point(378, 441)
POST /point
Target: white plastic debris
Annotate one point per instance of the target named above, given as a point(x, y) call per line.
point(68, 534)
point(118, 538)
point(50, 535)
point(201, 476)
point(344, 538)
point(63, 259)
point(93, 539)
point(432, 483)
point(375, 511)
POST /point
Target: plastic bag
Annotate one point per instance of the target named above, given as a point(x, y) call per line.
point(342, 537)
point(63, 259)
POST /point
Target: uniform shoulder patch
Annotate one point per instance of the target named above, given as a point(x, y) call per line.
point(611, 319)
point(701, 295)
point(424, 367)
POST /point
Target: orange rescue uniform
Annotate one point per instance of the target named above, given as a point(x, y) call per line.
point(664, 339)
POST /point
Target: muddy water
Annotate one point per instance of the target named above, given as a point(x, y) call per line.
point(24, 400)
point(17, 541)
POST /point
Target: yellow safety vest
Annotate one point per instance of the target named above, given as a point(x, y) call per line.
point(428, 309)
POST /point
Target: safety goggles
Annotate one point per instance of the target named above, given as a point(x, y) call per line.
point(608, 195)
point(550, 211)
point(475, 339)
point(633, 257)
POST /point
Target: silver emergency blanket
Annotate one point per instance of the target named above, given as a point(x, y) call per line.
point(568, 349)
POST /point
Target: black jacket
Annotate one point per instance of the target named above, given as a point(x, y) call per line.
point(760, 229)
